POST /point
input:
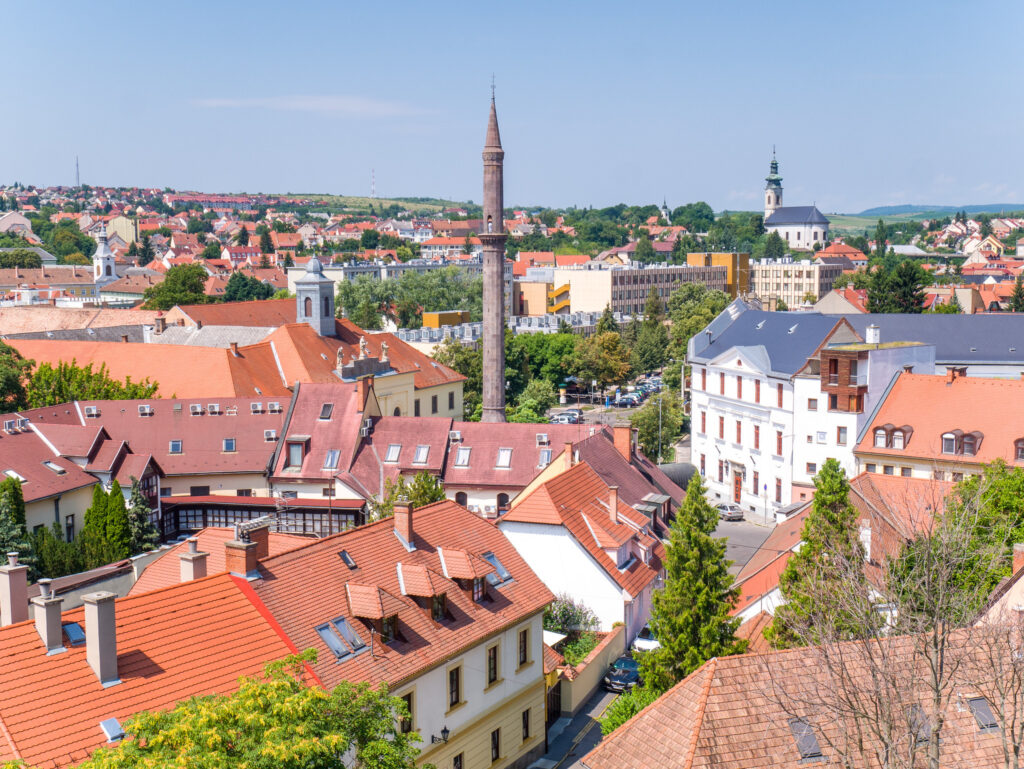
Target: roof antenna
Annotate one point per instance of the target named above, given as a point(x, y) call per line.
point(492, 86)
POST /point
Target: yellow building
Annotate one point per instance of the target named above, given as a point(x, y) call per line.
point(445, 318)
point(737, 266)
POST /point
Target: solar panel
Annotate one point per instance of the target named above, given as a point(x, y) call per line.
point(806, 739)
point(75, 634)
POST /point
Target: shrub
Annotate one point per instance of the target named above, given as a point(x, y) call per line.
point(577, 649)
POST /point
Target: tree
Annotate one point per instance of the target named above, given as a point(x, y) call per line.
point(539, 395)
point(603, 357)
point(266, 244)
point(644, 253)
point(906, 286)
point(627, 705)
point(14, 372)
point(277, 721)
point(880, 240)
point(183, 284)
point(651, 346)
point(212, 250)
point(13, 535)
point(70, 382)
point(468, 362)
point(245, 288)
point(20, 257)
point(879, 291)
point(607, 321)
point(116, 529)
point(831, 548)
point(781, 306)
point(242, 236)
point(143, 535)
point(774, 246)
point(369, 239)
point(690, 615)
point(11, 494)
point(146, 253)
point(659, 424)
point(566, 614)
point(695, 217)
point(1017, 297)
point(423, 489)
point(54, 556)
point(92, 542)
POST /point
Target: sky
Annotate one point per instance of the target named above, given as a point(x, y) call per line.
point(868, 103)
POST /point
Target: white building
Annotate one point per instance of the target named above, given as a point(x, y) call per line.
point(800, 226)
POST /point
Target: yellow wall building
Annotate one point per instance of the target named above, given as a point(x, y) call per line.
point(737, 266)
point(445, 318)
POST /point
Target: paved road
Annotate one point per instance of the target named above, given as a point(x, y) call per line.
point(580, 737)
point(745, 537)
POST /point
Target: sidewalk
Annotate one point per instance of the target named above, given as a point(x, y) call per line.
point(568, 742)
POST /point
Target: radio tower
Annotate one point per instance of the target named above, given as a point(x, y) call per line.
point(78, 180)
point(373, 183)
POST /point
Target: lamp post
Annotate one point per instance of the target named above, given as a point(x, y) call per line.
point(445, 734)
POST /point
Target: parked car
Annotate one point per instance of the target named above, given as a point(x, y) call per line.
point(577, 412)
point(630, 401)
point(645, 640)
point(623, 675)
point(564, 419)
point(730, 512)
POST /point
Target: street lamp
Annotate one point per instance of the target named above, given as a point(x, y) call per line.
point(445, 734)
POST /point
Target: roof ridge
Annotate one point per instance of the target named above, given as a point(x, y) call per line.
point(701, 707)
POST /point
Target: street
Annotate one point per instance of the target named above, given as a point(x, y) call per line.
point(578, 737)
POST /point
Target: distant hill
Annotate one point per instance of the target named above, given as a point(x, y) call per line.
point(991, 208)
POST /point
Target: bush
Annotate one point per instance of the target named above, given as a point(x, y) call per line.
point(577, 649)
point(566, 615)
point(625, 707)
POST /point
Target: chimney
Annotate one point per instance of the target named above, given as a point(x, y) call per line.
point(950, 374)
point(567, 453)
point(47, 615)
point(363, 387)
point(1018, 557)
point(613, 503)
point(13, 592)
point(240, 558)
point(192, 562)
point(873, 335)
point(403, 520)
point(261, 537)
point(234, 349)
point(623, 438)
point(101, 636)
point(908, 368)
point(199, 324)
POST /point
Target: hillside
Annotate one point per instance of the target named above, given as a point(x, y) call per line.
point(925, 212)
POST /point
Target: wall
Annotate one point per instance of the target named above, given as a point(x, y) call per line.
point(219, 483)
point(533, 298)
point(591, 671)
point(41, 512)
point(589, 290)
point(565, 567)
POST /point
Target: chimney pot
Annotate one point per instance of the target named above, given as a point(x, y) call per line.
point(47, 618)
point(13, 592)
point(101, 636)
point(613, 503)
point(1018, 556)
point(403, 520)
point(908, 368)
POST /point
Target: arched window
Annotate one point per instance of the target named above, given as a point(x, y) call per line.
point(1018, 449)
point(880, 438)
point(398, 411)
point(307, 307)
point(897, 439)
point(107, 268)
point(490, 225)
point(327, 306)
point(948, 443)
point(461, 498)
point(502, 501)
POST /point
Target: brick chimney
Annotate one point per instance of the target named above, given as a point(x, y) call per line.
point(403, 520)
point(101, 636)
point(13, 592)
point(567, 453)
point(1018, 556)
point(363, 387)
point(192, 562)
point(47, 616)
point(623, 438)
point(261, 537)
point(613, 503)
point(955, 372)
point(240, 558)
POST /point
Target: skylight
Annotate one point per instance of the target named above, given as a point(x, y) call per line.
point(347, 559)
point(341, 638)
point(331, 459)
point(14, 474)
point(394, 449)
point(55, 467)
point(175, 447)
point(420, 457)
point(806, 739)
point(545, 458)
point(462, 457)
point(326, 410)
point(229, 444)
point(501, 576)
point(504, 458)
point(75, 634)
point(920, 725)
point(982, 711)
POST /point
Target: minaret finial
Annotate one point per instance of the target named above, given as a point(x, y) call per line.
point(492, 86)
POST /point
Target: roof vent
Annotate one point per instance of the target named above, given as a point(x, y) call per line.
point(792, 328)
point(759, 326)
point(112, 730)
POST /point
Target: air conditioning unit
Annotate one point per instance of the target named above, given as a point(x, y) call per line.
point(22, 424)
point(92, 411)
point(364, 432)
point(473, 508)
point(213, 408)
point(274, 407)
point(231, 411)
point(10, 425)
point(145, 410)
point(195, 409)
point(270, 435)
point(367, 424)
point(454, 436)
point(490, 511)
point(257, 408)
point(542, 439)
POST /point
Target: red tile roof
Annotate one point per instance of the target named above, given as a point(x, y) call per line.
point(44, 473)
point(753, 630)
point(264, 313)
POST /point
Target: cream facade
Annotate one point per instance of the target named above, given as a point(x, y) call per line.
point(793, 282)
point(66, 509)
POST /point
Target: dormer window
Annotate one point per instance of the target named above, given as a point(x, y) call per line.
point(897, 439)
point(295, 454)
point(970, 445)
point(479, 590)
point(949, 443)
point(388, 628)
point(439, 607)
point(880, 438)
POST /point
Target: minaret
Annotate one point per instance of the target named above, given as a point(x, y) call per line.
point(493, 240)
point(773, 189)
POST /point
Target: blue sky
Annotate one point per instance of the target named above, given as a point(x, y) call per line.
point(869, 103)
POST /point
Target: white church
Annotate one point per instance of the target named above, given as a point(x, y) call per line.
point(800, 226)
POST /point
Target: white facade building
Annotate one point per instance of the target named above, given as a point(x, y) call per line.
point(800, 226)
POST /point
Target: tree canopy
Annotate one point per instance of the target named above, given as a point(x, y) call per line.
point(245, 288)
point(66, 382)
point(183, 284)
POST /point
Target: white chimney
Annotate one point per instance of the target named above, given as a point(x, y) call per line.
point(873, 335)
point(47, 615)
point(13, 592)
point(101, 636)
point(192, 562)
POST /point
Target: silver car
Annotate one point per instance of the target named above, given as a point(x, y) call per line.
point(730, 512)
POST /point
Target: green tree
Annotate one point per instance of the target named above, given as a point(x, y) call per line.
point(468, 362)
point(539, 395)
point(143, 535)
point(651, 347)
point(627, 705)
point(602, 357)
point(830, 553)
point(774, 246)
point(242, 236)
point(369, 239)
point(659, 424)
point(212, 250)
point(183, 284)
point(781, 306)
point(691, 307)
point(695, 217)
point(690, 615)
point(644, 253)
point(1017, 297)
point(70, 382)
point(880, 297)
point(266, 244)
point(423, 489)
point(906, 286)
point(14, 373)
point(607, 321)
point(54, 556)
point(245, 288)
point(20, 257)
point(12, 495)
point(116, 528)
point(880, 240)
point(276, 721)
point(146, 252)
point(92, 542)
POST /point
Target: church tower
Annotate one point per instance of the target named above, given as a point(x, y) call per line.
point(493, 240)
point(314, 299)
point(773, 189)
point(103, 271)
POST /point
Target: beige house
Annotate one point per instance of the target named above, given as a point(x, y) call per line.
point(792, 282)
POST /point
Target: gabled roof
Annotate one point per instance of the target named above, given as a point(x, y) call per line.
point(795, 215)
point(43, 472)
point(264, 312)
point(636, 477)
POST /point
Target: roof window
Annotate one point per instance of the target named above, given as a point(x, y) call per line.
point(75, 633)
point(229, 444)
point(112, 730)
point(462, 456)
point(420, 457)
point(347, 559)
point(55, 467)
point(326, 410)
point(14, 474)
point(500, 574)
point(175, 447)
point(331, 459)
point(341, 638)
point(504, 458)
point(920, 724)
point(394, 449)
point(806, 740)
point(982, 711)
point(545, 458)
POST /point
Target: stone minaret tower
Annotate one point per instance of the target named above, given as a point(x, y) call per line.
point(773, 189)
point(493, 240)
point(314, 299)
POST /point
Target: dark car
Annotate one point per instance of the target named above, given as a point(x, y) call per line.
point(623, 675)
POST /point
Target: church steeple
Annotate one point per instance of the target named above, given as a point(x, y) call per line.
point(773, 188)
point(103, 266)
point(493, 240)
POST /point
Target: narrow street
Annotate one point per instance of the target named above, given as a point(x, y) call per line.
point(577, 737)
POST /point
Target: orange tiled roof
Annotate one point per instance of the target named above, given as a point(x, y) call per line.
point(753, 630)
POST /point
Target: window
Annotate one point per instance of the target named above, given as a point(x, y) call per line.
point(524, 646)
point(69, 528)
point(295, 454)
point(806, 741)
point(871, 467)
point(545, 458)
point(721, 427)
point(500, 574)
point(833, 371)
point(704, 379)
point(433, 404)
point(754, 484)
point(416, 407)
point(331, 459)
point(778, 490)
point(479, 593)
point(957, 477)
point(904, 472)
point(405, 724)
point(439, 607)
point(778, 443)
point(703, 465)
point(341, 638)
point(822, 437)
point(526, 725)
point(739, 431)
point(880, 438)
point(307, 307)
point(175, 447)
point(492, 665)
point(779, 389)
point(739, 387)
point(454, 687)
point(495, 745)
point(394, 449)
point(504, 458)
point(721, 384)
point(704, 429)
point(939, 475)
point(897, 439)
point(326, 410)
point(420, 457)
point(970, 445)
point(949, 443)
point(920, 724)
point(812, 468)
point(388, 628)
point(1018, 449)
point(757, 390)
point(229, 444)
point(451, 401)
point(75, 633)
point(457, 762)
point(462, 456)
point(721, 471)
point(833, 403)
point(982, 711)
point(812, 404)
point(757, 437)
point(888, 470)
point(841, 436)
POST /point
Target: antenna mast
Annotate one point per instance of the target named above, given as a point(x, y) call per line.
point(78, 179)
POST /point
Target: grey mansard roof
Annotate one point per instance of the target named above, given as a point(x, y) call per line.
point(795, 215)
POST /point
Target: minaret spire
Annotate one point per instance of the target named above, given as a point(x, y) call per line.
point(493, 240)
